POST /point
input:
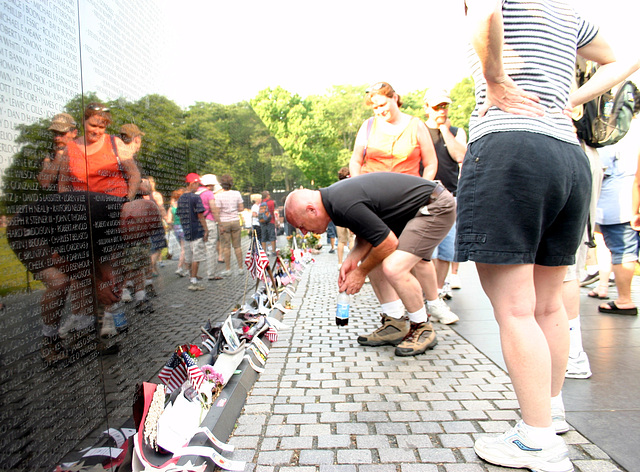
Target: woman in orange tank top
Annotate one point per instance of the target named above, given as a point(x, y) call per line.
point(392, 141)
point(99, 162)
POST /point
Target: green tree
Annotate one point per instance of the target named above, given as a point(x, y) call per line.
point(164, 153)
point(274, 107)
point(344, 109)
point(463, 102)
point(413, 103)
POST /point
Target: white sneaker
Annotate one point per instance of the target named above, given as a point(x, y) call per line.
point(182, 272)
point(441, 313)
point(74, 323)
point(225, 273)
point(558, 418)
point(196, 287)
point(108, 328)
point(515, 449)
point(454, 281)
point(445, 291)
point(126, 296)
point(578, 367)
point(66, 327)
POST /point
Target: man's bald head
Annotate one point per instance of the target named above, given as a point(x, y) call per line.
point(304, 210)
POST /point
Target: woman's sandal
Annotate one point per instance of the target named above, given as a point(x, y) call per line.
point(611, 307)
point(596, 294)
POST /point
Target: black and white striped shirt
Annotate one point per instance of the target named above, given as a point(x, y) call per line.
point(539, 54)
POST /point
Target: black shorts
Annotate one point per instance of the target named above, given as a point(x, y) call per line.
point(523, 198)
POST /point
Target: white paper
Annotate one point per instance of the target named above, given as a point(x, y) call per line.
point(230, 334)
point(178, 423)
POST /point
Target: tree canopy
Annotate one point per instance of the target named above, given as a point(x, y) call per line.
point(277, 141)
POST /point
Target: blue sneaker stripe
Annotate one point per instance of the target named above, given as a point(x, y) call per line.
point(524, 447)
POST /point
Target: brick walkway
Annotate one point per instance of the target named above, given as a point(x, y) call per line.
point(325, 403)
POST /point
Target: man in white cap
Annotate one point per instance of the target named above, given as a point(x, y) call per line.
point(450, 143)
point(64, 130)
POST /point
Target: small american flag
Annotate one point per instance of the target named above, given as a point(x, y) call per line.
point(272, 334)
point(196, 376)
point(173, 374)
point(256, 260)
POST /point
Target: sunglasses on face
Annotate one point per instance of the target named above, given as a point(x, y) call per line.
point(378, 86)
point(441, 106)
point(98, 108)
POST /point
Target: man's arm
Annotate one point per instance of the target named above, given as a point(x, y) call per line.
point(63, 172)
point(129, 167)
point(50, 169)
point(352, 281)
point(487, 38)
point(456, 145)
point(203, 222)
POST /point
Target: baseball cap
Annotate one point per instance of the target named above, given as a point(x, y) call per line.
point(209, 179)
point(63, 123)
point(192, 177)
point(130, 130)
point(435, 96)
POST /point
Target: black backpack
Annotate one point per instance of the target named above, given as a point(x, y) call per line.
point(606, 119)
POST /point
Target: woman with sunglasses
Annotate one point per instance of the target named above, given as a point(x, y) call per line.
point(392, 141)
point(99, 162)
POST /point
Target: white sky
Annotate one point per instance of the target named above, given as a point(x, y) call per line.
point(226, 52)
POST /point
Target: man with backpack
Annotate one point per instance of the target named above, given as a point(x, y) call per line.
point(266, 218)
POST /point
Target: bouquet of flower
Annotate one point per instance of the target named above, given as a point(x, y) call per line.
point(214, 384)
point(312, 241)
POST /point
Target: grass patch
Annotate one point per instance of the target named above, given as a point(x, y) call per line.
point(14, 277)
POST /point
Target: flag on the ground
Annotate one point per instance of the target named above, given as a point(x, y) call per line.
point(256, 260)
point(173, 374)
point(196, 376)
point(272, 334)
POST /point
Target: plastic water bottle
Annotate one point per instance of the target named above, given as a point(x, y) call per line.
point(342, 312)
point(119, 316)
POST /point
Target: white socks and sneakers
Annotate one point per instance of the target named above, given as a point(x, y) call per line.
point(539, 449)
point(440, 311)
point(578, 366)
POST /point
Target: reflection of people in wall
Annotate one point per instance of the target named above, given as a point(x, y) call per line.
point(98, 161)
point(77, 236)
point(64, 130)
point(158, 239)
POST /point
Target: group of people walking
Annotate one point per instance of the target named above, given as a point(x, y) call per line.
point(205, 218)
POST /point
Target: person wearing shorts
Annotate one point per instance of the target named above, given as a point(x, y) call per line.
point(332, 233)
point(450, 143)
point(191, 213)
point(345, 239)
point(523, 198)
point(268, 230)
point(614, 216)
point(398, 221)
